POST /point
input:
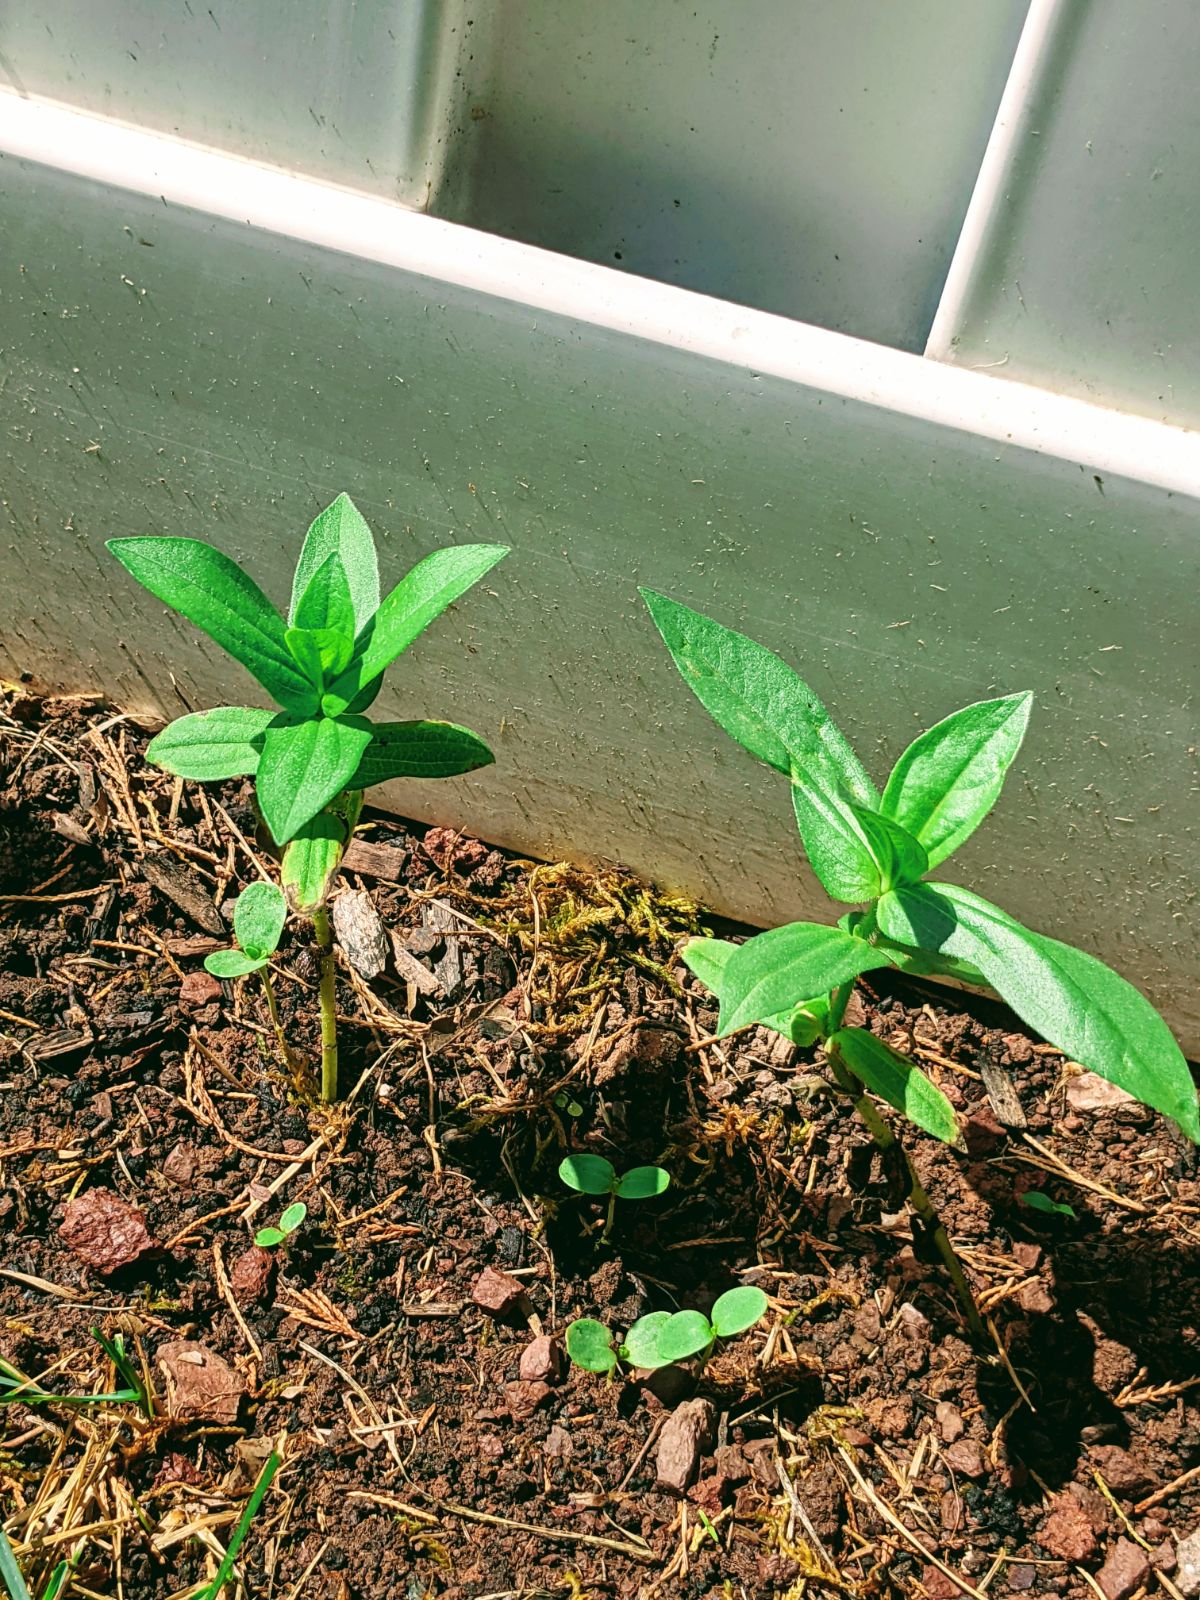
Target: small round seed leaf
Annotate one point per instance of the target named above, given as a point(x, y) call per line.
point(684, 1334)
point(639, 1183)
point(640, 1348)
point(258, 918)
point(737, 1310)
point(293, 1216)
point(588, 1174)
point(232, 963)
point(1037, 1201)
point(589, 1345)
point(266, 1237)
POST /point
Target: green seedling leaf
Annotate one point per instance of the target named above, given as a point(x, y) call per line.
point(325, 605)
point(59, 1576)
point(233, 963)
point(258, 918)
point(737, 1310)
point(312, 858)
point(10, 1572)
point(565, 1103)
point(683, 1335)
point(320, 653)
point(431, 586)
point(116, 1352)
point(1037, 1201)
point(340, 529)
point(212, 745)
point(304, 766)
point(950, 777)
point(257, 1495)
point(1074, 1001)
point(268, 1238)
point(897, 1080)
point(213, 592)
point(897, 855)
point(589, 1345)
point(759, 701)
point(640, 1348)
point(803, 1024)
point(588, 1174)
point(641, 1183)
point(293, 1216)
point(766, 974)
point(927, 964)
point(419, 750)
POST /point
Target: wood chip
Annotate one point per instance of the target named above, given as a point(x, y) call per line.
point(360, 932)
point(181, 885)
point(1003, 1096)
point(59, 1042)
point(411, 970)
point(383, 861)
point(439, 919)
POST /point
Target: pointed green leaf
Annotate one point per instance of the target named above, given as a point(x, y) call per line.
point(1071, 999)
point(588, 1174)
point(738, 1309)
point(326, 602)
point(765, 974)
point(213, 592)
point(897, 1080)
point(1037, 1201)
point(233, 963)
point(304, 647)
point(313, 856)
point(210, 745)
point(684, 1334)
point(898, 856)
point(589, 1345)
point(949, 778)
point(258, 918)
point(420, 750)
point(340, 530)
point(834, 841)
point(10, 1572)
point(640, 1347)
point(431, 586)
point(642, 1183)
point(802, 1024)
point(305, 765)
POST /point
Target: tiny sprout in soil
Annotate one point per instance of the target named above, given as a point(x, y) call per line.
point(323, 665)
point(664, 1337)
point(594, 1175)
point(268, 1238)
point(875, 849)
point(1035, 1200)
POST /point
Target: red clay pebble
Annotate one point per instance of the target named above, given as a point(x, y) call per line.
point(1090, 1092)
point(1121, 1472)
point(966, 1457)
point(1067, 1532)
point(496, 1292)
point(540, 1361)
point(182, 1165)
point(198, 989)
point(983, 1131)
point(523, 1399)
point(686, 1435)
point(104, 1230)
point(939, 1586)
point(250, 1275)
point(949, 1420)
point(200, 1386)
point(1126, 1568)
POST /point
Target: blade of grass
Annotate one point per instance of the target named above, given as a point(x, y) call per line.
point(10, 1572)
point(257, 1496)
point(114, 1349)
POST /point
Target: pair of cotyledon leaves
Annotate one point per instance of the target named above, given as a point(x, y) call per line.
point(876, 848)
point(662, 1337)
point(323, 665)
point(258, 919)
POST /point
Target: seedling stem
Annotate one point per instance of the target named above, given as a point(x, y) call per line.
point(329, 1046)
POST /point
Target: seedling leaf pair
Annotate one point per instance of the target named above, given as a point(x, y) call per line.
point(662, 1337)
point(876, 848)
point(594, 1175)
point(289, 1221)
point(258, 919)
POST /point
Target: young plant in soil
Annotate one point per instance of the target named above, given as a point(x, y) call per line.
point(594, 1175)
point(873, 850)
point(323, 665)
point(664, 1337)
point(281, 1231)
point(258, 919)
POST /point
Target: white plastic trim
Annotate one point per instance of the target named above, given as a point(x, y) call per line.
point(1008, 129)
point(334, 218)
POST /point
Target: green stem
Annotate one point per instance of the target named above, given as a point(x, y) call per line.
point(886, 1139)
point(273, 1013)
point(329, 1048)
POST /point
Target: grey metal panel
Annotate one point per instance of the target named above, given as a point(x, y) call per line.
point(234, 381)
point(1085, 280)
point(359, 92)
point(809, 157)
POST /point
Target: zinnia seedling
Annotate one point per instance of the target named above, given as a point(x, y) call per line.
point(258, 919)
point(290, 1220)
point(874, 849)
point(663, 1337)
point(594, 1175)
point(323, 665)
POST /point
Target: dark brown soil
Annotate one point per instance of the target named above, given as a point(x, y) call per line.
point(861, 1445)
